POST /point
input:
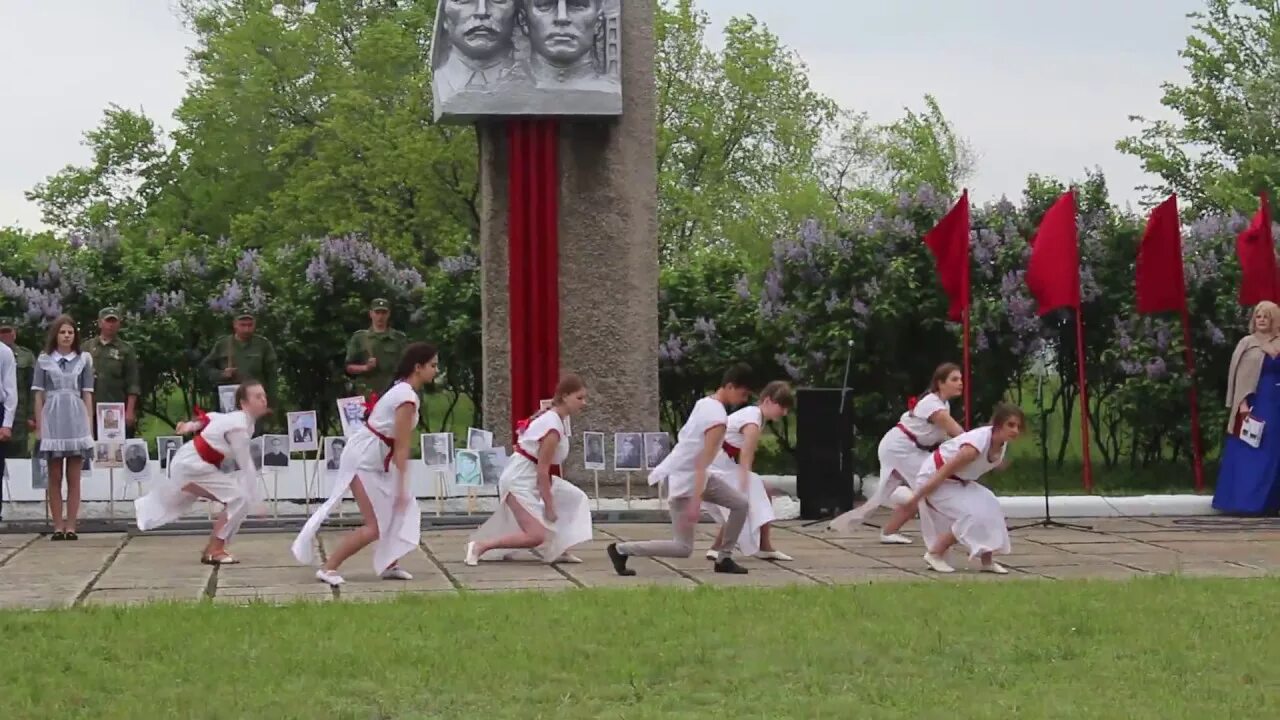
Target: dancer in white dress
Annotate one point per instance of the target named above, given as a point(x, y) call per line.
point(954, 506)
point(375, 466)
point(741, 439)
point(691, 480)
point(194, 473)
point(536, 508)
point(921, 429)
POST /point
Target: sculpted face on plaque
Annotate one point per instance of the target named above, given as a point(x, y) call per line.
point(564, 35)
point(481, 46)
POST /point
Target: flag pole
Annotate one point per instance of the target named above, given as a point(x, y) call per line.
point(1197, 448)
point(1087, 470)
point(968, 378)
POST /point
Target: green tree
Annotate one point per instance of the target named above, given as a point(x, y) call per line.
point(739, 132)
point(1225, 147)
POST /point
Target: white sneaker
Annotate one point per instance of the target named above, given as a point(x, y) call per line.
point(895, 539)
point(773, 555)
point(329, 577)
point(570, 559)
point(473, 558)
point(937, 564)
point(395, 572)
point(995, 567)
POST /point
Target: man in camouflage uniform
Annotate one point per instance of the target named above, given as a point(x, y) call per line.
point(372, 354)
point(23, 423)
point(242, 356)
point(115, 368)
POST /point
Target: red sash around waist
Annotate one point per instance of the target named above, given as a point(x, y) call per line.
point(391, 447)
point(732, 451)
point(912, 437)
point(555, 469)
point(938, 462)
point(206, 451)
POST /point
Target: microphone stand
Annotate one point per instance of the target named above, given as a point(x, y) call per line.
point(844, 409)
point(1047, 521)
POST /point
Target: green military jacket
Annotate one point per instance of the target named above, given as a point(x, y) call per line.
point(252, 360)
point(115, 370)
point(19, 445)
point(387, 347)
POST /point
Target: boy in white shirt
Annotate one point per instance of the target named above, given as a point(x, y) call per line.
point(687, 470)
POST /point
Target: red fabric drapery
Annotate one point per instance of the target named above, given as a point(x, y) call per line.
point(533, 257)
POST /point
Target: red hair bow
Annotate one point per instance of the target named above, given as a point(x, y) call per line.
point(200, 415)
point(368, 404)
point(911, 403)
point(522, 426)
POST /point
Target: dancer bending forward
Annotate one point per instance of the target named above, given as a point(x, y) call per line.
point(535, 508)
point(691, 480)
point(194, 473)
point(954, 506)
point(375, 467)
point(741, 439)
point(920, 430)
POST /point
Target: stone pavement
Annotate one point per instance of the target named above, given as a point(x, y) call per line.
point(116, 568)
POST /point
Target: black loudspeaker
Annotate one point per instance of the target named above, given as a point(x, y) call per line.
point(824, 452)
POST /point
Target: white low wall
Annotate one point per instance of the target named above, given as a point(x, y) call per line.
point(309, 480)
point(299, 481)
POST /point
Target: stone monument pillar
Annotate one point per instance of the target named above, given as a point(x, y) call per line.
point(607, 253)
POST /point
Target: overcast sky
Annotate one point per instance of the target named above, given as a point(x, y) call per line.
point(1034, 85)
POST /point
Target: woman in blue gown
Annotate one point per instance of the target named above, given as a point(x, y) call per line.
point(1249, 478)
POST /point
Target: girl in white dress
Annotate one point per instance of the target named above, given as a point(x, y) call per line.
point(954, 506)
point(195, 472)
point(920, 430)
point(536, 508)
point(741, 439)
point(375, 465)
point(62, 386)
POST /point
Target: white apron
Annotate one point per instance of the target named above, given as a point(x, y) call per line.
point(519, 481)
point(365, 457)
point(970, 511)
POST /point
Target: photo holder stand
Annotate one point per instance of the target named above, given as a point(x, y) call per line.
point(595, 480)
point(275, 494)
point(628, 489)
point(471, 500)
point(111, 493)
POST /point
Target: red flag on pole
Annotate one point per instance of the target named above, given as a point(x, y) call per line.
point(1053, 276)
point(1161, 287)
point(1160, 281)
point(949, 243)
point(1256, 250)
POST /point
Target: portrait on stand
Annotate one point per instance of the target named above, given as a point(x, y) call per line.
point(593, 450)
point(302, 431)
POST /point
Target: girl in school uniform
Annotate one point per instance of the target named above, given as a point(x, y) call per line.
point(536, 508)
point(954, 507)
point(196, 472)
point(62, 386)
point(921, 429)
point(375, 465)
point(741, 439)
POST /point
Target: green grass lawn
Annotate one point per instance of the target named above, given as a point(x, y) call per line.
point(1158, 648)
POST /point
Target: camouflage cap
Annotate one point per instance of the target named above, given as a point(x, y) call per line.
point(8, 323)
point(380, 304)
point(244, 312)
point(109, 312)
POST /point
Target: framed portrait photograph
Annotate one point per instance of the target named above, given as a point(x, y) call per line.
point(108, 455)
point(492, 463)
point(478, 439)
point(136, 459)
point(437, 450)
point(302, 431)
point(333, 447)
point(628, 451)
point(467, 463)
point(227, 398)
point(657, 446)
point(255, 453)
point(275, 451)
point(110, 422)
point(593, 450)
point(166, 446)
point(351, 413)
